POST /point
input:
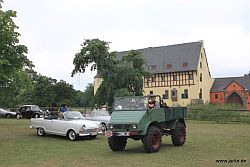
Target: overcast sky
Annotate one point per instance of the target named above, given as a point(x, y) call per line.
point(53, 31)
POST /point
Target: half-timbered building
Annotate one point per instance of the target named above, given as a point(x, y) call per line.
point(180, 73)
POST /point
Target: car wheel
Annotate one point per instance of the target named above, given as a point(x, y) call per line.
point(18, 116)
point(8, 116)
point(40, 132)
point(37, 116)
point(72, 135)
point(103, 128)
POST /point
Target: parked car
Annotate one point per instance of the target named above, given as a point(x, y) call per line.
point(99, 115)
point(71, 124)
point(7, 114)
point(29, 111)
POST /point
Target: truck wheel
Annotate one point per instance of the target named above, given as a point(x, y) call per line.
point(179, 135)
point(152, 140)
point(40, 132)
point(72, 135)
point(117, 143)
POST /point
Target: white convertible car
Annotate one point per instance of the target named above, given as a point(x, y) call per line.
point(102, 116)
point(71, 124)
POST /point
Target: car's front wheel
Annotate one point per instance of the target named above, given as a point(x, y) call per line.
point(40, 132)
point(18, 116)
point(36, 116)
point(103, 128)
point(72, 135)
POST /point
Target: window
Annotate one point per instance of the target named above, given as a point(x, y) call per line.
point(169, 66)
point(153, 67)
point(184, 65)
point(201, 77)
point(174, 95)
point(153, 79)
point(185, 94)
point(200, 64)
point(162, 78)
point(174, 77)
point(200, 94)
point(151, 92)
point(165, 96)
point(190, 76)
point(216, 96)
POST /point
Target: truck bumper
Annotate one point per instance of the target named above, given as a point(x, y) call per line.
point(128, 133)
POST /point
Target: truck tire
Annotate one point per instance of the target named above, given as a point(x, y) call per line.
point(152, 140)
point(117, 143)
point(179, 135)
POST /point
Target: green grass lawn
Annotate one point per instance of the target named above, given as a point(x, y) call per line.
point(206, 143)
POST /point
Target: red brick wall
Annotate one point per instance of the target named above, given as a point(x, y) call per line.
point(220, 98)
point(248, 101)
point(234, 86)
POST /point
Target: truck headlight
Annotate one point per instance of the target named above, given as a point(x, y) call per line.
point(134, 126)
point(111, 126)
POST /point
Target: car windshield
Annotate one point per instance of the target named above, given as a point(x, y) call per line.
point(99, 113)
point(73, 115)
point(131, 103)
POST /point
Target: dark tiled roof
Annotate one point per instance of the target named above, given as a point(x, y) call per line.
point(174, 55)
point(221, 83)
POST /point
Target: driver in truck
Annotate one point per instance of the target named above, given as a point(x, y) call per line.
point(151, 102)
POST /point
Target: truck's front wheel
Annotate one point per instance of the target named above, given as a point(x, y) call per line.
point(152, 140)
point(117, 143)
point(179, 135)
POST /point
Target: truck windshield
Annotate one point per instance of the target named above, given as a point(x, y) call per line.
point(131, 103)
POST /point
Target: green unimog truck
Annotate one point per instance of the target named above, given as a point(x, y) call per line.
point(147, 119)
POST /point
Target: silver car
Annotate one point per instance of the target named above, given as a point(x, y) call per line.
point(7, 114)
point(99, 115)
point(70, 124)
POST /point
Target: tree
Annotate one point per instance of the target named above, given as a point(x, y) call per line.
point(124, 74)
point(86, 98)
point(12, 60)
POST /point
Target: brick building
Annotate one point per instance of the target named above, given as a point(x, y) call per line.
point(232, 90)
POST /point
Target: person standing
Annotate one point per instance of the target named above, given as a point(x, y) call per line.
point(63, 108)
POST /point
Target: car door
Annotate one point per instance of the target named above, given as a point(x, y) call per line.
point(57, 126)
point(23, 111)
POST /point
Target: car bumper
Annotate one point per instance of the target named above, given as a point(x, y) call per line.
point(89, 132)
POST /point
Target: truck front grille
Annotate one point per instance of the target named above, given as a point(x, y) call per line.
point(122, 126)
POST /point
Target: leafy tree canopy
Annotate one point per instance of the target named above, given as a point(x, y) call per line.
point(125, 74)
